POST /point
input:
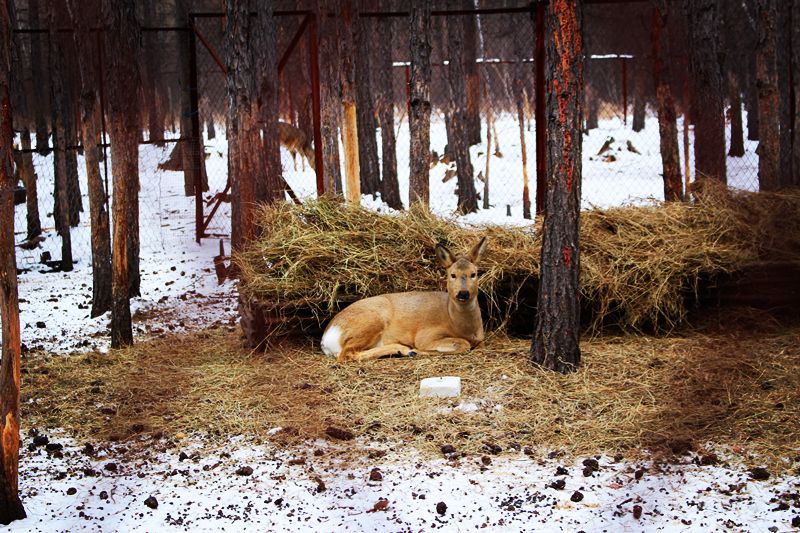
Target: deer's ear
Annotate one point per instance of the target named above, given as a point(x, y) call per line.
point(444, 256)
point(477, 252)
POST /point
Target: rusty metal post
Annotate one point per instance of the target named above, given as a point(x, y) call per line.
point(313, 51)
point(195, 144)
point(541, 122)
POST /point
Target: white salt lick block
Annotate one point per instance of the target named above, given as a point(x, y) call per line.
point(443, 387)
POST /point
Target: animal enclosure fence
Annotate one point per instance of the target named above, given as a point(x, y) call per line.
point(185, 98)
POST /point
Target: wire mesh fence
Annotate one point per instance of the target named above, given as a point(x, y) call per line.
point(621, 152)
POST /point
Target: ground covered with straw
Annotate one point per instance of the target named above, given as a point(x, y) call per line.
point(738, 386)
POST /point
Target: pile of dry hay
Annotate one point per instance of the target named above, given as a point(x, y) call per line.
point(638, 264)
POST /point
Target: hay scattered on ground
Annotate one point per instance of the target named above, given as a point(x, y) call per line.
point(737, 387)
point(638, 263)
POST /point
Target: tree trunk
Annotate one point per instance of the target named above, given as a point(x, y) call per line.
point(121, 46)
point(34, 224)
point(384, 76)
point(737, 126)
point(473, 126)
point(667, 117)
point(10, 504)
point(782, 63)
point(60, 109)
point(37, 73)
point(182, 19)
point(557, 331)
point(751, 103)
point(330, 103)
point(245, 149)
point(155, 119)
point(796, 96)
point(706, 83)
point(84, 19)
point(457, 139)
point(768, 111)
point(347, 72)
point(269, 188)
point(419, 115)
point(590, 95)
point(365, 103)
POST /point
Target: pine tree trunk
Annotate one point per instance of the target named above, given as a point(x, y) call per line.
point(706, 89)
point(365, 103)
point(557, 332)
point(155, 119)
point(269, 189)
point(34, 224)
point(473, 125)
point(90, 127)
point(60, 109)
point(37, 73)
point(419, 116)
point(667, 116)
point(751, 103)
point(639, 96)
point(782, 63)
point(10, 504)
point(768, 106)
point(330, 104)
point(121, 46)
point(737, 126)
point(457, 139)
point(384, 76)
point(347, 72)
point(795, 173)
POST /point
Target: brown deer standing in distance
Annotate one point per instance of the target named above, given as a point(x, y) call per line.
point(400, 323)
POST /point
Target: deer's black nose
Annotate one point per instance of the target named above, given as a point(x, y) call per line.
point(462, 296)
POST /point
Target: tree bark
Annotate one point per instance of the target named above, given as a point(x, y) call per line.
point(473, 126)
point(10, 504)
point(458, 136)
point(269, 184)
point(419, 115)
point(639, 96)
point(155, 117)
point(344, 18)
point(667, 116)
point(782, 63)
point(330, 103)
point(390, 186)
point(121, 46)
point(84, 18)
point(768, 106)
point(245, 150)
point(37, 73)
point(60, 109)
point(556, 337)
point(365, 104)
point(706, 84)
point(796, 93)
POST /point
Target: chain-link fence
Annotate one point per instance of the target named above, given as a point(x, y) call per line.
point(621, 151)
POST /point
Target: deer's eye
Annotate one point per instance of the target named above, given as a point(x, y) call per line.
point(453, 276)
point(473, 275)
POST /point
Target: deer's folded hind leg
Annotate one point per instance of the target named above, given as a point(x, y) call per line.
point(378, 351)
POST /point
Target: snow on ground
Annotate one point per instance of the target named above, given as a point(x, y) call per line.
point(201, 483)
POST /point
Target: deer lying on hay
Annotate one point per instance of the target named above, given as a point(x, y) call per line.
point(401, 323)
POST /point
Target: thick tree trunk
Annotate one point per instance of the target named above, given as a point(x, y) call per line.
point(768, 106)
point(365, 103)
point(60, 109)
point(330, 103)
point(557, 331)
point(457, 138)
point(269, 184)
point(667, 116)
point(384, 76)
point(783, 61)
point(347, 72)
point(121, 46)
point(10, 504)
point(419, 116)
point(737, 126)
point(182, 19)
point(245, 149)
point(706, 89)
point(86, 18)
point(155, 118)
point(796, 93)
